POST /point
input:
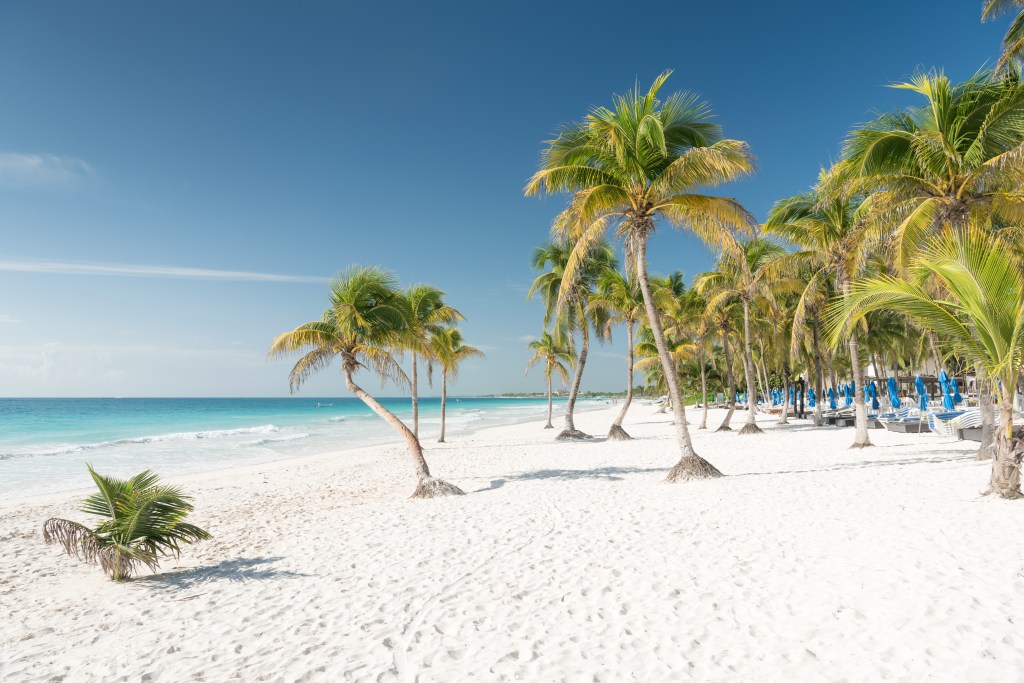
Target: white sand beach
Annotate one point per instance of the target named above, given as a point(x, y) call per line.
point(566, 562)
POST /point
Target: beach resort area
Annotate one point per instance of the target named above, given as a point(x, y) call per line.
point(377, 344)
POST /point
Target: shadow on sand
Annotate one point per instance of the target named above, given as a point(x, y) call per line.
point(238, 570)
point(607, 473)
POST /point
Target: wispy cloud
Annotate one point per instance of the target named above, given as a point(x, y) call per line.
point(43, 171)
point(527, 338)
point(175, 272)
point(8, 319)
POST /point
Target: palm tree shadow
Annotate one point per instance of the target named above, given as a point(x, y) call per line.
point(238, 570)
point(938, 457)
point(606, 473)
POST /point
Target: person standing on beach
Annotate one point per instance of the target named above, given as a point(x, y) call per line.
point(800, 386)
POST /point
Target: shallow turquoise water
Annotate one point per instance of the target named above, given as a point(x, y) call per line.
point(45, 443)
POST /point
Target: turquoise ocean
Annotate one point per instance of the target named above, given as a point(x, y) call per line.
point(45, 443)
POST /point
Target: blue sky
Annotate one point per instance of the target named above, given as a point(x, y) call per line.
point(159, 162)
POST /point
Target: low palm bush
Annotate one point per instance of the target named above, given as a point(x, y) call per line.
point(142, 520)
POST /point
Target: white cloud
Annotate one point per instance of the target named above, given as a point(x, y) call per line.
point(527, 338)
point(177, 272)
point(8, 319)
point(43, 171)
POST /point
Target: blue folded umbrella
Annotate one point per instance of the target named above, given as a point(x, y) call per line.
point(848, 393)
point(810, 398)
point(873, 395)
point(921, 393)
point(894, 394)
point(957, 398)
point(947, 400)
point(831, 398)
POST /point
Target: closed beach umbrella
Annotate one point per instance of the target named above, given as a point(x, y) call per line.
point(831, 398)
point(957, 398)
point(921, 393)
point(792, 399)
point(873, 395)
point(810, 398)
point(947, 399)
point(848, 394)
point(894, 394)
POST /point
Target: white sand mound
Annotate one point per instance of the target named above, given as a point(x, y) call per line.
point(570, 561)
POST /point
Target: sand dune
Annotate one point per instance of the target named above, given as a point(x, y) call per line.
point(567, 562)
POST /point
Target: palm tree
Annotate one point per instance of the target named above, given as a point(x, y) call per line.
point(953, 162)
point(569, 308)
point(981, 314)
point(629, 166)
point(620, 299)
point(448, 351)
point(1013, 41)
point(744, 275)
point(426, 314)
point(142, 521)
point(366, 320)
point(831, 252)
point(557, 356)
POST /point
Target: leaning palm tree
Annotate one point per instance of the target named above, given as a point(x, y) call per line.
point(1013, 41)
point(831, 252)
point(557, 356)
point(448, 351)
point(426, 313)
point(365, 322)
point(620, 298)
point(142, 521)
point(744, 274)
point(630, 166)
point(980, 313)
point(570, 310)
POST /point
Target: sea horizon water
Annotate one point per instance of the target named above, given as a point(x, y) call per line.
point(45, 443)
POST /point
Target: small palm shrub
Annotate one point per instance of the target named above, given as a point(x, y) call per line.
point(142, 521)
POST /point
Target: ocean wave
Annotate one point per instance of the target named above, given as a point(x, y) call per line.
point(340, 418)
point(175, 436)
point(279, 439)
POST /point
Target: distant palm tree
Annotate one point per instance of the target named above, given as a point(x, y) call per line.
point(830, 240)
point(1013, 41)
point(367, 319)
point(143, 520)
point(449, 351)
point(623, 304)
point(569, 309)
point(981, 314)
point(626, 168)
point(744, 274)
point(426, 313)
point(557, 356)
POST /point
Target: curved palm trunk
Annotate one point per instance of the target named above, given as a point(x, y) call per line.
point(988, 427)
point(1009, 448)
point(703, 386)
point(724, 427)
point(444, 402)
point(428, 486)
point(569, 432)
point(860, 408)
point(549, 425)
point(415, 399)
point(690, 465)
point(819, 377)
point(748, 363)
point(616, 432)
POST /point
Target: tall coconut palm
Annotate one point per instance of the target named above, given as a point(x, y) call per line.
point(980, 313)
point(1013, 41)
point(557, 356)
point(449, 351)
point(366, 320)
point(426, 314)
point(743, 275)
point(620, 299)
point(566, 304)
point(628, 166)
point(831, 251)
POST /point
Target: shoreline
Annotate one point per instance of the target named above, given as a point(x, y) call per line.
point(199, 475)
